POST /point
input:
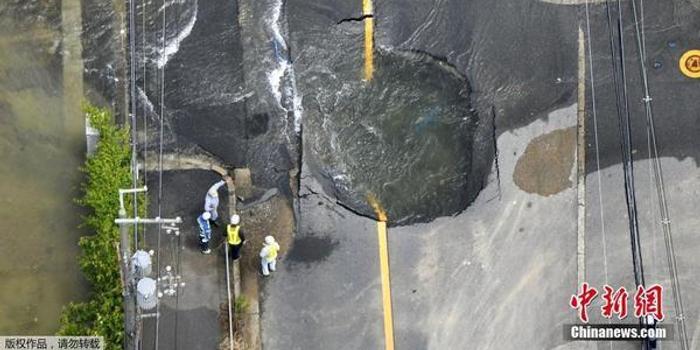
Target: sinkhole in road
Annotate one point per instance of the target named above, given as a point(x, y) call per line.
point(406, 138)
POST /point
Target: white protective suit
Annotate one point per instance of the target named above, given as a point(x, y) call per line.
point(211, 201)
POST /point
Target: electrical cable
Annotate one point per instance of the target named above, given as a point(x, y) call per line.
point(628, 169)
point(597, 148)
point(179, 241)
point(160, 169)
point(659, 181)
point(145, 116)
point(134, 140)
point(625, 138)
point(162, 96)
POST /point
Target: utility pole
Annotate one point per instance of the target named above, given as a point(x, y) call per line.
point(129, 294)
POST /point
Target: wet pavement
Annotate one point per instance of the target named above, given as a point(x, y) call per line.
point(494, 263)
point(468, 281)
point(500, 274)
point(329, 298)
point(456, 281)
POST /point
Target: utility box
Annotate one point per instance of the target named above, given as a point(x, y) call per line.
point(141, 264)
point(146, 293)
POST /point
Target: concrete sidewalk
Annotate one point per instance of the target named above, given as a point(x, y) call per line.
point(191, 320)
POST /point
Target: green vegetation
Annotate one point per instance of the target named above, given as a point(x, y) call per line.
point(106, 171)
point(240, 305)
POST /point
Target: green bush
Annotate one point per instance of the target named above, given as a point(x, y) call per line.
point(107, 170)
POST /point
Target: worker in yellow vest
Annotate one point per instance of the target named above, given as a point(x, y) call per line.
point(234, 236)
point(268, 255)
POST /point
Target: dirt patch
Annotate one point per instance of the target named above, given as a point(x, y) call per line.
point(238, 343)
point(274, 217)
point(545, 166)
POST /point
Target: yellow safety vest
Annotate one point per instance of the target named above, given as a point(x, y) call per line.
point(272, 250)
point(233, 237)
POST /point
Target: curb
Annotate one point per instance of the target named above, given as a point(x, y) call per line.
point(231, 210)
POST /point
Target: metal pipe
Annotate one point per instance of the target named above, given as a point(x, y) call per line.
point(133, 190)
point(153, 314)
point(138, 220)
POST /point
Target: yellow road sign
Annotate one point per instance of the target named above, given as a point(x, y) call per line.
point(690, 63)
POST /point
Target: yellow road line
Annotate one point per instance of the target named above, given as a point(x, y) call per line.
point(386, 285)
point(367, 9)
point(384, 271)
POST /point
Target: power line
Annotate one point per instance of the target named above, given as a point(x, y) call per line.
point(657, 170)
point(145, 117)
point(134, 139)
point(162, 97)
point(177, 296)
point(624, 126)
point(134, 162)
point(626, 133)
point(659, 181)
point(597, 145)
point(597, 148)
point(160, 163)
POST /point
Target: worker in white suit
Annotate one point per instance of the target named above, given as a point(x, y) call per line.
point(211, 201)
point(268, 255)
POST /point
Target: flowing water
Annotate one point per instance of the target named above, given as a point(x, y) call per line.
point(405, 137)
point(247, 90)
point(42, 142)
point(244, 81)
point(412, 128)
point(409, 137)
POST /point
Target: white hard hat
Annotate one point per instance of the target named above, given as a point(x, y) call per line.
point(235, 219)
point(269, 239)
point(206, 215)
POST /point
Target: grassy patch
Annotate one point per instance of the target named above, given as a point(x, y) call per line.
point(240, 305)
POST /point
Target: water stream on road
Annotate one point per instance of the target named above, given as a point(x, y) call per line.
point(41, 151)
point(406, 137)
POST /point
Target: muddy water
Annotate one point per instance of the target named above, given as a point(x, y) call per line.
point(406, 138)
point(42, 148)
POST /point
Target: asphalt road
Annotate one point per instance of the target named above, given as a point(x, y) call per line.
point(500, 274)
point(497, 276)
point(326, 292)
point(608, 251)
